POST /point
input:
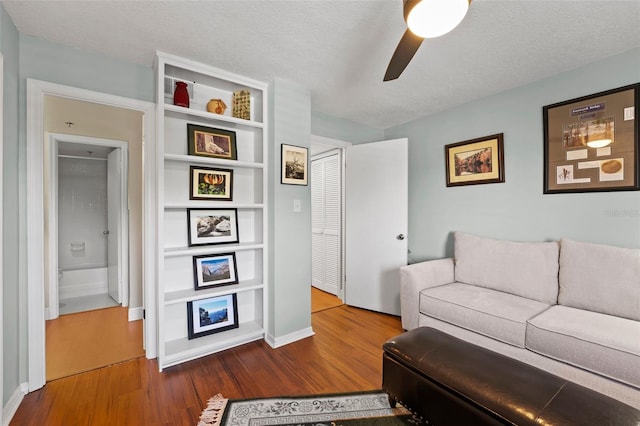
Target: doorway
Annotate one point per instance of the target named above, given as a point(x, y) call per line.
point(105, 113)
point(327, 216)
point(87, 212)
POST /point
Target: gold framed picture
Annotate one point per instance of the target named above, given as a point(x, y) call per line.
point(475, 161)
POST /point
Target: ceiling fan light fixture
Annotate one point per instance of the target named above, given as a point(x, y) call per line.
point(433, 18)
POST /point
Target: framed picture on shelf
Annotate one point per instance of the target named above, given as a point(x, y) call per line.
point(475, 161)
point(212, 226)
point(210, 142)
point(215, 270)
point(211, 184)
point(591, 143)
point(294, 165)
point(212, 315)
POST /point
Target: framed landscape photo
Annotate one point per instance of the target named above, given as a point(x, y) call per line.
point(475, 161)
point(215, 270)
point(294, 165)
point(210, 142)
point(211, 184)
point(212, 315)
point(591, 143)
point(212, 226)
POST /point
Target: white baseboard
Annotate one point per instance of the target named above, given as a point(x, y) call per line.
point(289, 338)
point(9, 410)
point(136, 314)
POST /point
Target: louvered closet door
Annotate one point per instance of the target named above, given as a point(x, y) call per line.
point(325, 223)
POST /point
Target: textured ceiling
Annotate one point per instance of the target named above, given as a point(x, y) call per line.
point(340, 49)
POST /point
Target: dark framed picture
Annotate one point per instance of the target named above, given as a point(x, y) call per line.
point(591, 143)
point(211, 142)
point(212, 315)
point(215, 270)
point(211, 184)
point(294, 165)
point(475, 161)
point(212, 226)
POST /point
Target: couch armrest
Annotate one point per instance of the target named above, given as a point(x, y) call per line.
point(415, 278)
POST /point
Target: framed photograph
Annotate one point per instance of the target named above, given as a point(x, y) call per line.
point(591, 143)
point(475, 161)
point(215, 270)
point(211, 142)
point(294, 165)
point(212, 226)
point(212, 315)
point(211, 184)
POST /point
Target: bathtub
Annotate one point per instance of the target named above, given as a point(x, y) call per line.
point(82, 280)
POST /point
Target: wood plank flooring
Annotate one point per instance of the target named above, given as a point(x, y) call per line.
point(344, 355)
point(321, 300)
point(83, 341)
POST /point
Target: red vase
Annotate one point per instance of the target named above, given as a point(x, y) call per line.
point(181, 94)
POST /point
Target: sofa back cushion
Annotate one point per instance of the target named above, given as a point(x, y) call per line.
point(522, 268)
point(600, 278)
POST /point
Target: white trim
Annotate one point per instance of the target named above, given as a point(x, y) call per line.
point(289, 338)
point(13, 403)
point(36, 90)
point(136, 314)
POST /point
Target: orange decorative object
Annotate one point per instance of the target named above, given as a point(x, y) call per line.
point(216, 106)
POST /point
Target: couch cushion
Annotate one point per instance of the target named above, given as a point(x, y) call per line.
point(604, 344)
point(600, 278)
point(525, 269)
point(495, 314)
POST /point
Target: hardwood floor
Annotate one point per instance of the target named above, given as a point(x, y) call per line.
point(135, 393)
point(321, 300)
point(83, 341)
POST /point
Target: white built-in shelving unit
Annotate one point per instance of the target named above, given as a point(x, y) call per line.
point(175, 256)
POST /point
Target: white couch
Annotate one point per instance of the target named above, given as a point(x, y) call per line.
point(568, 307)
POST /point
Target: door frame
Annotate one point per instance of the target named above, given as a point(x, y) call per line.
point(36, 91)
point(51, 158)
point(342, 146)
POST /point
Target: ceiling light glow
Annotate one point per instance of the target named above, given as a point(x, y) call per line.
point(433, 18)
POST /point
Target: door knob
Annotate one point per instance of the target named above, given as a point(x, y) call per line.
point(400, 237)
point(105, 232)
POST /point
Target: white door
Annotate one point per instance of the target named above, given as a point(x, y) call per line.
point(376, 224)
point(114, 196)
point(326, 223)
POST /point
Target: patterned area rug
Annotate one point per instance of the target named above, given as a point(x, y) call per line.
point(352, 409)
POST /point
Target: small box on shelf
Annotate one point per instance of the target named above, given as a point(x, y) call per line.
point(242, 104)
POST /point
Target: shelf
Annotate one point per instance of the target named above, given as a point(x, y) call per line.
point(250, 192)
point(182, 296)
point(211, 249)
point(170, 108)
point(181, 350)
point(199, 204)
point(212, 161)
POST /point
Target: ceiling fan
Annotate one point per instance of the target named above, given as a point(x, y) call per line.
point(425, 19)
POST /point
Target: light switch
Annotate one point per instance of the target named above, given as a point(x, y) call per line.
point(297, 206)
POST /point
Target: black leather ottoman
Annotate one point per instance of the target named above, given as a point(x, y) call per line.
point(448, 381)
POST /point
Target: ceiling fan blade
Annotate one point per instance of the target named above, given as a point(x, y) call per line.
point(408, 46)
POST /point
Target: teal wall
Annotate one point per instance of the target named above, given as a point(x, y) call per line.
point(12, 338)
point(290, 233)
point(516, 209)
point(344, 130)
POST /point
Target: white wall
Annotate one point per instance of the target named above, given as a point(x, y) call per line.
point(516, 209)
point(82, 213)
